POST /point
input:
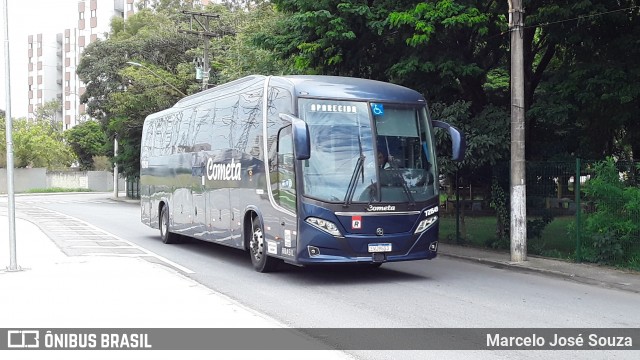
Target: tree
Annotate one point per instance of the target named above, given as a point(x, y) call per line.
point(586, 102)
point(35, 145)
point(238, 53)
point(51, 112)
point(119, 95)
point(335, 37)
point(87, 140)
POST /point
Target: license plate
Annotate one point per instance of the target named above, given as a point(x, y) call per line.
point(374, 248)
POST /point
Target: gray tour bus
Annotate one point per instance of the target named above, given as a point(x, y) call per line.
point(300, 169)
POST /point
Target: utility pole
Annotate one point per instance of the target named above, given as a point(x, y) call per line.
point(518, 230)
point(204, 31)
point(13, 263)
point(115, 167)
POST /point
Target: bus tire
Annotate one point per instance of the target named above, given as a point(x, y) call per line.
point(165, 233)
point(258, 249)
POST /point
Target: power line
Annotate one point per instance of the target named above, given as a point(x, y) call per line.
point(581, 17)
point(566, 20)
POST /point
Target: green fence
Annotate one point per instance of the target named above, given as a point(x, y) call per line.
point(133, 187)
point(570, 214)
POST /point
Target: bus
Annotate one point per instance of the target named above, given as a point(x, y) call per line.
point(302, 169)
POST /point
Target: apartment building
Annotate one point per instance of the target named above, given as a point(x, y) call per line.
point(54, 58)
point(44, 70)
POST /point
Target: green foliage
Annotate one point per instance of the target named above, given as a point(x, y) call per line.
point(87, 140)
point(120, 95)
point(499, 204)
point(239, 54)
point(335, 37)
point(580, 61)
point(50, 111)
point(535, 226)
point(102, 163)
point(487, 136)
point(426, 17)
point(592, 75)
point(56, 190)
point(36, 144)
point(613, 227)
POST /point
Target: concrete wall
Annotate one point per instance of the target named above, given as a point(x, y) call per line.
point(68, 180)
point(27, 179)
point(24, 179)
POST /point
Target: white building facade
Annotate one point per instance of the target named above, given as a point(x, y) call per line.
point(54, 58)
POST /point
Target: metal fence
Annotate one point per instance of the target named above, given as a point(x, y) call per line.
point(568, 216)
point(133, 187)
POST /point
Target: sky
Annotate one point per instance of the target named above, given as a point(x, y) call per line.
point(28, 17)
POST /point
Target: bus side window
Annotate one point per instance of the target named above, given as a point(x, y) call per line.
point(285, 193)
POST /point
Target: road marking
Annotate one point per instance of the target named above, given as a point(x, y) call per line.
point(100, 247)
point(91, 240)
point(146, 253)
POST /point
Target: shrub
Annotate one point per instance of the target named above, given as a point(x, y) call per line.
point(613, 227)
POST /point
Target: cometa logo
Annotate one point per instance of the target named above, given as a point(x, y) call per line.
point(381, 208)
point(219, 171)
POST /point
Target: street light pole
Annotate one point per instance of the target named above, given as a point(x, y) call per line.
point(13, 263)
point(156, 75)
point(115, 167)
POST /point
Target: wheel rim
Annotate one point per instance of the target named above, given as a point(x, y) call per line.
point(257, 244)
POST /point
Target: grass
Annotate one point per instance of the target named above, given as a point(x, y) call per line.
point(56, 190)
point(481, 232)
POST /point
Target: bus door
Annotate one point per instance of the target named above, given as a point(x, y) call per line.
point(285, 193)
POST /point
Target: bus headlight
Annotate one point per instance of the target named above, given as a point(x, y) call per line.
point(426, 223)
point(324, 225)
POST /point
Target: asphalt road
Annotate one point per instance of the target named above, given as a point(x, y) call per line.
point(443, 292)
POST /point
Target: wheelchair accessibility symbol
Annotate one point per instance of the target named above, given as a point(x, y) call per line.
point(377, 109)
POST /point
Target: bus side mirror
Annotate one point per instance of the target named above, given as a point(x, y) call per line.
point(458, 142)
point(301, 138)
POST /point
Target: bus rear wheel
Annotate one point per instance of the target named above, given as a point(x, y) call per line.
point(165, 233)
point(258, 249)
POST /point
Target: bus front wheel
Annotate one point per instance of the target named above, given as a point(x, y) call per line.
point(258, 249)
point(165, 233)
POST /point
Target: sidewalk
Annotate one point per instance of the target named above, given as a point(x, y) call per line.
point(52, 290)
point(584, 273)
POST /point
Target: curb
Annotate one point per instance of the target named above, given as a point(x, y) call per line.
point(125, 200)
point(537, 270)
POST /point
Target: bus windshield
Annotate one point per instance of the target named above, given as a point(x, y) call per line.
point(368, 152)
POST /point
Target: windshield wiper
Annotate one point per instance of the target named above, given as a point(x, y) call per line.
point(359, 169)
point(372, 191)
point(400, 179)
point(348, 197)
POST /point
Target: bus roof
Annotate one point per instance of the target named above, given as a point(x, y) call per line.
point(321, 86)
point(325, 86)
